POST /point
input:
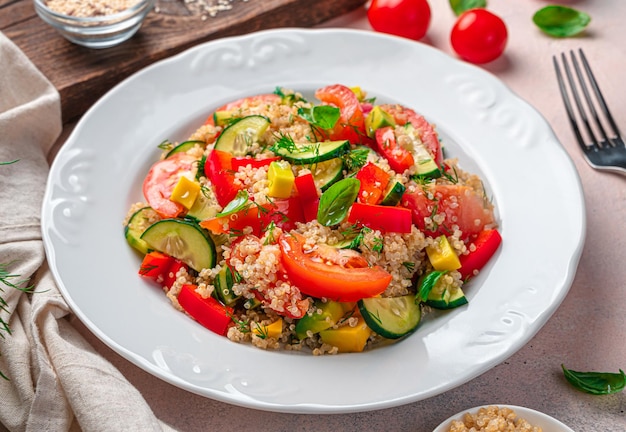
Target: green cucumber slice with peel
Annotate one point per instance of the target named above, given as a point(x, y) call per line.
point(237, 137)
point(310, 153)
point(391, 317)
point(137, 224)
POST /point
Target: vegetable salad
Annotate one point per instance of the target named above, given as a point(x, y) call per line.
point(329, 225)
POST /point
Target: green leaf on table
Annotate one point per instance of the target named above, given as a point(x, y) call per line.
point(597, 383)
point(336, 201)
point(561, 21)
point(460, 6)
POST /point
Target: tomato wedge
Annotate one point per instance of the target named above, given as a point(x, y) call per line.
point(207, 311)
point(374, 181)
point(485, 246)
point(327, 272)
point(461, 206)
point(403, 115)
point(351, 124)
point(161, 180)
point(383, 218)
point(399, 158)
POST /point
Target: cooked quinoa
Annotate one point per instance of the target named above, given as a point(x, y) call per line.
point(266, 296)
point(493, 419)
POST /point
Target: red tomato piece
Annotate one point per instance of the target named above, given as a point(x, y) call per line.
point(399, 158)
point(486, 244)
point(403, 115)
point(460, 205)
point(161, 180)
point(207, 311)
point(406, 18)
point(324, 271)
point(374, 181)
point(155, 266)
point(238, 162)
point(383, 218)
point(308, 195)
point(479, 36)
point(269, 98)
point(351, 124)
point(218, 169)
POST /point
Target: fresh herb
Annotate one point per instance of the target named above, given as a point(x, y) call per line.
point(356, 158)
point(200, 172)
point(596, 383)
point(242, 325)
point(166, 145)
point(240, 202)
point(427, 283)
point(322, 116)
point(561, 21)
point(460, 6)
point(269, 230)
point(377, 245)
point(336, 201)
point(284, 142)
point(451, 177)
point(288, 98)
point(9, 162)
point(357, 236)
point(261, 330)
point(410, 266)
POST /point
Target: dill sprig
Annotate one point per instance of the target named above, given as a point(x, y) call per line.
point(356, 158)
point(9, 162)
point(284, 142)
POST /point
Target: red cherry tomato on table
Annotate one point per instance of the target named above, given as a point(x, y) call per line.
point(406, 18)
point(479, 36)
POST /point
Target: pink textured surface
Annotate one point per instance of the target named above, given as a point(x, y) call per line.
point(587, 332)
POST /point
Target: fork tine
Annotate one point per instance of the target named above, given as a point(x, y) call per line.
point(568, 105)
point(590, 104)
point(596, 89)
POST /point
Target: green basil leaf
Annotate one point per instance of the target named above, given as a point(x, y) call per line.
point(460, 6)
point(427, 283)
point(597, 383)
point(337, 200)
point(561, 21)
point(322, 116)
point(238, 203)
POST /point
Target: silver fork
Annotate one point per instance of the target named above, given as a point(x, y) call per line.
point(607, 151)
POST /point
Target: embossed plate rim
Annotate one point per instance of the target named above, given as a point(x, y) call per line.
point(97, 175)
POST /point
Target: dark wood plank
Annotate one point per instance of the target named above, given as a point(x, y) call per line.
point(83, 75)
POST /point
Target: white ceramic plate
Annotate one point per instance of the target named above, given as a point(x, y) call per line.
point(535, 418)
point(99, 171)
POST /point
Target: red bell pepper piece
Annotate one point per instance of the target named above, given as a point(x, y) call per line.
point(219, 170)
point(308, 196)
point(170, 276)
point(155, 266)
point(374, 181)
point(207, 311)
point(383, 218)
point(486, 243)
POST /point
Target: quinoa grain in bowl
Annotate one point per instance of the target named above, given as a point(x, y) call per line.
point(327, 226)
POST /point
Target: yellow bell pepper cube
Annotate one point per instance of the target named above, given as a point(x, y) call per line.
point(347, 338)
point(442, 256)
point(273, 330)
point(358, 91)
point(281, 179)
point(185, 192)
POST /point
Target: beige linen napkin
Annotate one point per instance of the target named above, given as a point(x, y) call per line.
point(57, 381)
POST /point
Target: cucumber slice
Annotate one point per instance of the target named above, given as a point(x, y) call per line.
point(184, 146)
point(393, 194)
point(137, 224)
point(391, 317)
point(445, 300)
point(183, 240)
point(240, 134)
point(224, 286)
point(222, 118)
point(424, 162)
point(310, 153)
point(328, 172)
point(202, 208)
point(331, 313)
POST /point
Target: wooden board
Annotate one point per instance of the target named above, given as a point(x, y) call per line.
point(83, 75)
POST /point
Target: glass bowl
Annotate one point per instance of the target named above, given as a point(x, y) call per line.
point(100, 31)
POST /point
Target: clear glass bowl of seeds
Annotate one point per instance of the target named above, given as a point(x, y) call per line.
point(94, 23)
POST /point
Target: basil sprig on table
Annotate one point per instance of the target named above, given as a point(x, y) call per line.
point(561, 21)
point(597, 383)
point(336, 201)
point(460, 6)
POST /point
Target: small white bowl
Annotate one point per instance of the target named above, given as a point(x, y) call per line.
point(99, 31)
point(535, 418)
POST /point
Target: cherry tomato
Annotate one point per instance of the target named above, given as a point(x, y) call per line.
point(161, 180)
point(324, 271)
point(406, 18)
point(461, 205)
point(479, 36)
point(351, 124)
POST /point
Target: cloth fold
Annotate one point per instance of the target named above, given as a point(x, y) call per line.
point(57, 381)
